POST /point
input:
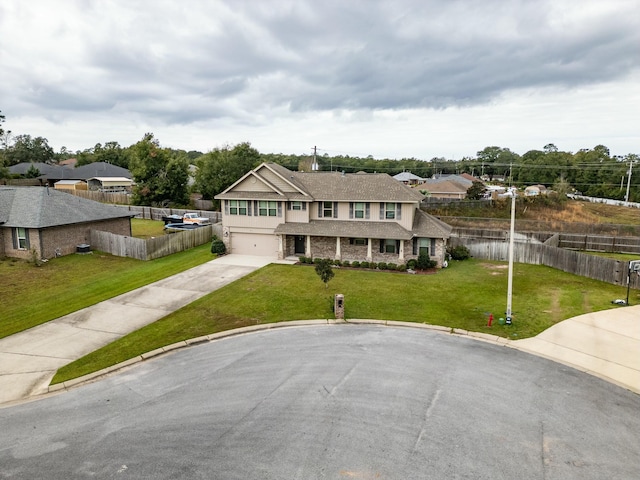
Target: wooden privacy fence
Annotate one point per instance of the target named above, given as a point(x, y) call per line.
point(153, 213)
point(149, 249)
point(591, 266)
point(571, 241)
point(600, 243)
point(102, 197)
point(544, 226)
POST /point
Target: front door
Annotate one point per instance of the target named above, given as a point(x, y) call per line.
point(299, 245)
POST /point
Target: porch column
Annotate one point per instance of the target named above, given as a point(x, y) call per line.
point(401, 252)
point(308, 249)
point(369, 252)
point(338, 253)
point(280, 247)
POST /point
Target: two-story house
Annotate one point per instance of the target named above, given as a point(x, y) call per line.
point(274, 211)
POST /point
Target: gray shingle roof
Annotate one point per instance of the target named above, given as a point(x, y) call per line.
point(57, 172)
point(39, 207)
point(425, 225)
point(97, 169)
point(363, 187)
point(44, 169)
point(338, 187)
point(346, 229)
point(406, 177)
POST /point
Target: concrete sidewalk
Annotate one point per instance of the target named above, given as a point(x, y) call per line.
point(605, 344)
point(29, 359)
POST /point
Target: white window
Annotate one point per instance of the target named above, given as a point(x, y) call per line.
point(390, 211)
point(296, 205)
point(22, 242)
point(358, 209)
point(237, 207)
point(424, 245)
point(267, 209)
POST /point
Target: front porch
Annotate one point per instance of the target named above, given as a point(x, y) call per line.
point(357, 249)
point(358, 241)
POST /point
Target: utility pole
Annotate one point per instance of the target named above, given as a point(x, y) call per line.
point(626, 197)
point(314, 165)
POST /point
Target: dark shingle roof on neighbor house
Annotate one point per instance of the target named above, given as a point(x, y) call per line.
point(84, 172)
point(40, 207)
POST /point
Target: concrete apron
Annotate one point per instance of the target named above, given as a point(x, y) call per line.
point(605, 344)
point(30, 359)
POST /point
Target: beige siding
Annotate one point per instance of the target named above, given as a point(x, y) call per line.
point(252, 184)
point(252, 221)
point(297, 216)
point(277, 181)
point(408, 210)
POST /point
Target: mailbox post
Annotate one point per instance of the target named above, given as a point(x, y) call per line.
point(338, 306)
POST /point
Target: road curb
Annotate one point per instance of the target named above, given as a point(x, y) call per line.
point(479, 336)
point(262, 327)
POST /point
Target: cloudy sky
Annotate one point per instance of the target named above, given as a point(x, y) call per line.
point(394, 78)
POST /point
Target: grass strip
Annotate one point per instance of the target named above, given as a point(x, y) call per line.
point(461, 296)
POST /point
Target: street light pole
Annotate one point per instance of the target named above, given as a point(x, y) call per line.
point(511, 235)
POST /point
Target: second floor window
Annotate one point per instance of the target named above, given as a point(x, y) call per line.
point(237, 207)
point(389, 211)
point(267, 209)
point(358, 210)
point(327, 209)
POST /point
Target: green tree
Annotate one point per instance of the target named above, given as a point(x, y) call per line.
point(32, 172)
point(159, 177)
point(496, 160)
point(476, 191)
point(28, 149)
point(221, 167)
point(5, 137)
point(177, 180)
point(325, 271)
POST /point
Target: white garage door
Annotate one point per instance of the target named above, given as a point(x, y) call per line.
point(254, 244)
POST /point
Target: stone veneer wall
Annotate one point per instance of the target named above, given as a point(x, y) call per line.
point(325, 247)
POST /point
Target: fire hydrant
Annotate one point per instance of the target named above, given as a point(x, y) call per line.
point(490, 322)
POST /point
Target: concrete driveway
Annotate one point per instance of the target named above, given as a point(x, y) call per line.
point(29, 359)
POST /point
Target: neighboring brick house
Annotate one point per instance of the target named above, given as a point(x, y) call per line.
point(52, 223)
point(273, 211)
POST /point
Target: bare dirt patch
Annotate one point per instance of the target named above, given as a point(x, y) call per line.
point(495, 269)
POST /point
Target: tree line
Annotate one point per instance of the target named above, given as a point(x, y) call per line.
point(168, 176)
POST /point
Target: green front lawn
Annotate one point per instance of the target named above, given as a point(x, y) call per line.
point(31, 295)
point(461, 296)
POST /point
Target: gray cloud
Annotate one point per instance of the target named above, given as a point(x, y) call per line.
point(196, 60)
